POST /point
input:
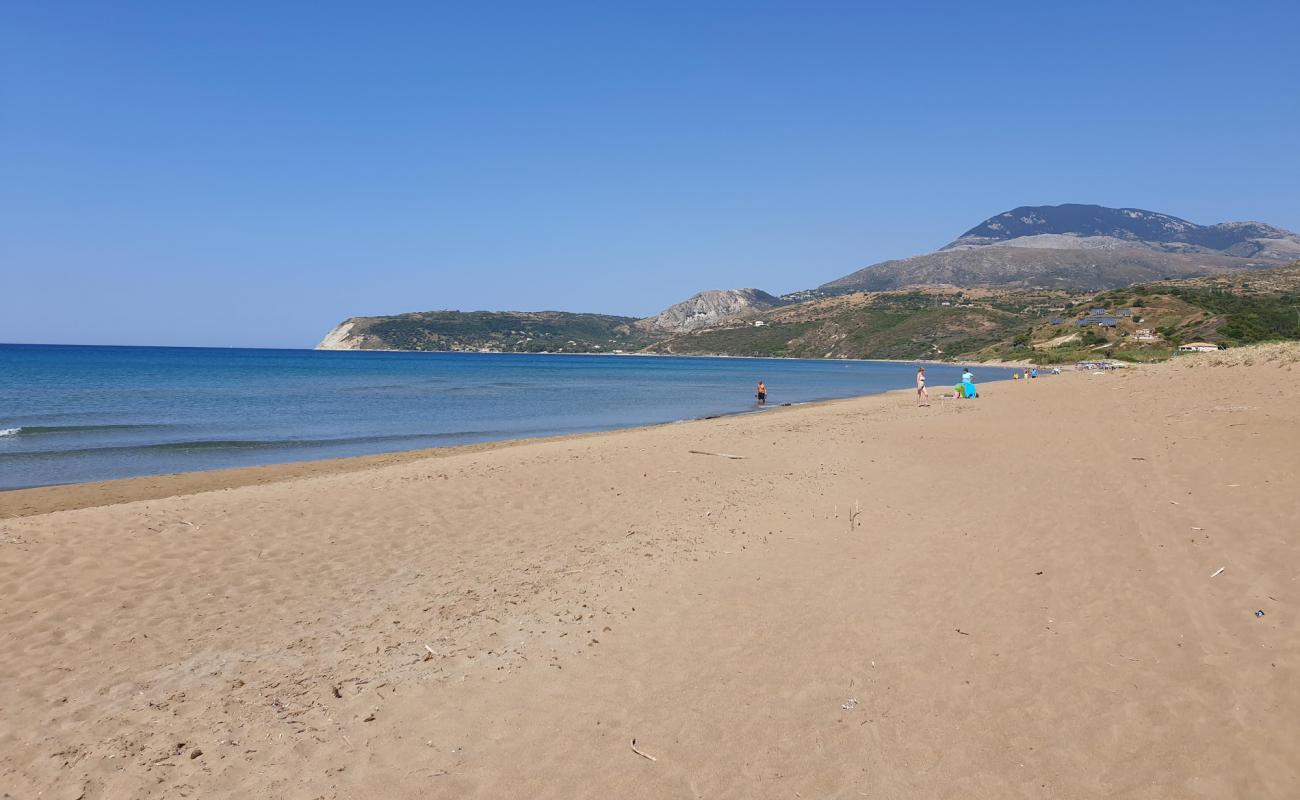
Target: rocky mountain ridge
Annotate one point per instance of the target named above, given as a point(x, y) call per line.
point(1097, 226)
point(1081, 247)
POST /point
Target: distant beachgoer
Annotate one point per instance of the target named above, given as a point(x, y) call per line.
point(921, 393)
point(1034, 373)
point(968, 383)
point(761, 393)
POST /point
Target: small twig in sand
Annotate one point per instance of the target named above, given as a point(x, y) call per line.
point(432, 653)
point(191, 524)
point(721, 455)
point(643, 755)
point(1217, 571)
point(853, 515)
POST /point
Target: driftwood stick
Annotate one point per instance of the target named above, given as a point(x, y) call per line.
point(721, 455)
point(643, 755)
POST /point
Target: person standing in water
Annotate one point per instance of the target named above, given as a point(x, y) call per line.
point(761, 393)
point(922, 396)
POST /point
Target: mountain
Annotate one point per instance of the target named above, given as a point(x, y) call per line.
point(501, 331)
point(1081, 247)
point(1082, 227)
point(709, 309)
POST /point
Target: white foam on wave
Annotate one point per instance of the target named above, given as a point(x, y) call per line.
point(10, 431)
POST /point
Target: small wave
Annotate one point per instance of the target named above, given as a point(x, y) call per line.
point(209, 445)
point(407, 440)
point(35, 430)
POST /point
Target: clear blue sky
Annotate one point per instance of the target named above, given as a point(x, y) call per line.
point(250, 173)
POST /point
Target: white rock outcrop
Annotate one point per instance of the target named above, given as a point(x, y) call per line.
point(709, 309)
point(340, 338)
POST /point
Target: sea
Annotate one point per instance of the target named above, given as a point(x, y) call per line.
point(70, 414)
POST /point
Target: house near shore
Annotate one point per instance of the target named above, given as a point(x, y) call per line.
point(1124, 312)
point(1146, 335)
point(1197, 347)
point(1103, 320)
point(1095, 310)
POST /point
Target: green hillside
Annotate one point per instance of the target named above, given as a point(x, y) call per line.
point(503, 331)
point(1018, 324)
point(1229, 310)
point(889, 325)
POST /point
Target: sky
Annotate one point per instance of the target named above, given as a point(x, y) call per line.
point(252, 173)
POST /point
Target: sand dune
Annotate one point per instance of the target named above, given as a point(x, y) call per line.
point(1024, 607)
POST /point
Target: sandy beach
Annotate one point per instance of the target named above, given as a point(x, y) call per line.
point(1075, 587)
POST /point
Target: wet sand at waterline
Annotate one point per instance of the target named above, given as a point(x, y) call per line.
point(1017, 596)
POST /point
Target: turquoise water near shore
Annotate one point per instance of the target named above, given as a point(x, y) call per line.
point(71, 414)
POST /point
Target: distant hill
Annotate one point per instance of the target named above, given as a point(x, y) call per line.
point(500, 331)
point(922, 323)
point(711, 308)
point(545, 331)
point(1081, 247)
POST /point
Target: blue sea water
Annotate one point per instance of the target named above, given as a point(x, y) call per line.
point(81, 413)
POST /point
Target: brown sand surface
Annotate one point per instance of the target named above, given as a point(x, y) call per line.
point(1024, 607)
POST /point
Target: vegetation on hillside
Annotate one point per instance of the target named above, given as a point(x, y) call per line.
point(504, 331)
point(890, 325)
point(1229, 310)
point(1018, 324)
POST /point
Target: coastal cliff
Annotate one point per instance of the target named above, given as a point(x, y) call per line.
point(340, 338)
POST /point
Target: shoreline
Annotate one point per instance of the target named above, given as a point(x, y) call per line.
point(33, 500)
point(639, 354)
